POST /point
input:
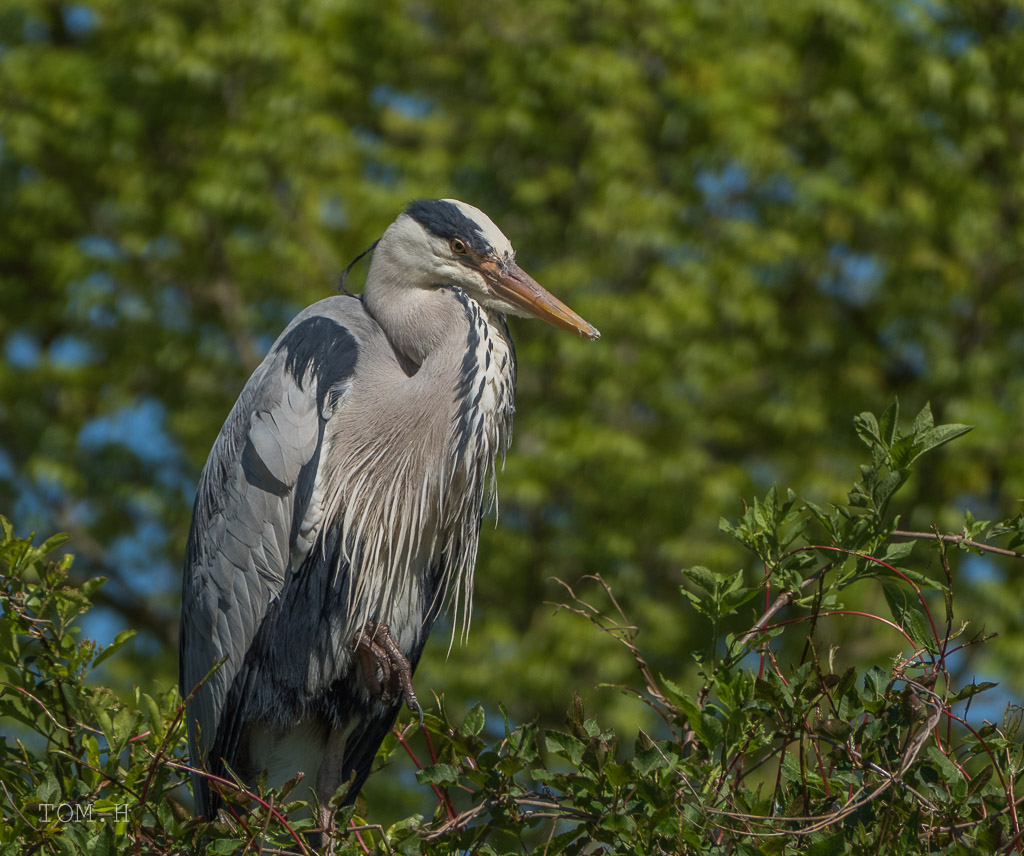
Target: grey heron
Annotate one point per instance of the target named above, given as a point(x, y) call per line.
point(340, 506)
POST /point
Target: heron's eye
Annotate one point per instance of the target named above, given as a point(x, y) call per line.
point(458, 246)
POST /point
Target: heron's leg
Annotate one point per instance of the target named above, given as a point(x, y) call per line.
point(330, 777)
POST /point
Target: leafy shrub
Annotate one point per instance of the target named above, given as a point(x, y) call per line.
point(789, 743)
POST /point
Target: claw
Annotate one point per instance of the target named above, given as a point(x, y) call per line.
point(375, 649)
point(368, 667)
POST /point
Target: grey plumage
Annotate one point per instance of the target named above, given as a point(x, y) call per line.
point(345, 492)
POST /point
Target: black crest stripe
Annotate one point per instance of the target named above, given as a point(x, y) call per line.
point(447, 221)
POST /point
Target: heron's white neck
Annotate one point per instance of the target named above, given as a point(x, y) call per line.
point(417, 314)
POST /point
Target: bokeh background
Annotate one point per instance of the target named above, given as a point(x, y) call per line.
point(778, 214)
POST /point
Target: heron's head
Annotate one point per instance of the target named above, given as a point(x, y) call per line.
point(443, 243)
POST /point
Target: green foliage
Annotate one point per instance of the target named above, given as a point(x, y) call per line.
point(787, 742)
point(776, 213)
point(82, 769)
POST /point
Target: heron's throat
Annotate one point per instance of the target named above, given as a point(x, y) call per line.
point(417, 322)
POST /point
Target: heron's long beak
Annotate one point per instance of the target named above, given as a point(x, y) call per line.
point(515, 286)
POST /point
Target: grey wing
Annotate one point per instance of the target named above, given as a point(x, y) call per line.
point(250, 524)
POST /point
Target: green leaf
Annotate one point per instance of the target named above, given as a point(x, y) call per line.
point(971, 690)
point(474, 721)
point(876, 681)
point(832, 845)
point(867, 428)
point(103, 844)
point(828, 520)
point(905, 573)
point(617, 774)
point(647, 760)
point(52, 543)
point(909, 614)
point(438, 774)
point(705, 578)
point(923, 421)
point(846, 683)
point(950, 771)
point(403, 829)
point(888, 424)
point(682, 699)
point(773, 691)
point(898, 551)
point(981, 778)
point(837, 729)
point(113, 647)
point(92, 585)
point(886, 487)
point(711, 731)
point(49, 791)
point(64, 846)
point(939, 436)
point(565, 745)
point(560, 842)
point(156, 718)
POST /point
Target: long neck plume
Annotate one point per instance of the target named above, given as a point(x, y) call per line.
point(410, 500)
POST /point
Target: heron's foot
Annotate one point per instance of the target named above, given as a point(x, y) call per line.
point(386, 671)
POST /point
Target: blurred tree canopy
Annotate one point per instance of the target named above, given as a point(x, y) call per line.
point(777, 214)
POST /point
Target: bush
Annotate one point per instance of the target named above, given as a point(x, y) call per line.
point(789, 743)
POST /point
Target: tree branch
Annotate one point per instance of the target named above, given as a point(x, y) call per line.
point(958, 540)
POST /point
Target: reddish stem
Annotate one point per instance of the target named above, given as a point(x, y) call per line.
point(442, 796)
point(1008, 790)
point(254, 797)
point(897, 571)
point(430, 744)
point(358, 835)
point(893, 625)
